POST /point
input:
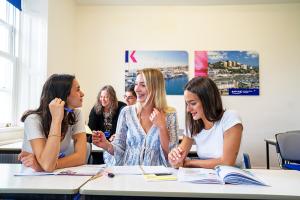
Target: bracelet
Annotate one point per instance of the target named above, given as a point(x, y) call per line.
point(54, 135)
point(56, 163)
point(110, 147)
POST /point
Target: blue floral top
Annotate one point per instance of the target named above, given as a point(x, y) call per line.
point(132, 146)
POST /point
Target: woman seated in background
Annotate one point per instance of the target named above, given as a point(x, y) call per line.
point(54, 134)
point(130, 95)
point(104, 115)
point(146, 131)
point(216, 132)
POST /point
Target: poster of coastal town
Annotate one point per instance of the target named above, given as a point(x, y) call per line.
point(234, 72)
point(173, 65)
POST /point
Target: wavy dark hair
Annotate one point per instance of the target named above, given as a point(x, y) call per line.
point(209, 95)
point(56, 86)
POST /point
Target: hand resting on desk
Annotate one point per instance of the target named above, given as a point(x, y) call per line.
point(29, 160)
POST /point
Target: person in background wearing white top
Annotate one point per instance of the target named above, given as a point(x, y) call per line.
point(216, 132)
point(54, 133)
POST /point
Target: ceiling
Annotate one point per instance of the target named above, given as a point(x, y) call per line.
point(182, 2)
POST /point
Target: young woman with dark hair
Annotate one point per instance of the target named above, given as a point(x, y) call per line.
point(54, 133)
point(130, 95)
point(216, 132)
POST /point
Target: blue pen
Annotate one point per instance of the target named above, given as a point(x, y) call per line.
point(61, 155)
point(69, 110)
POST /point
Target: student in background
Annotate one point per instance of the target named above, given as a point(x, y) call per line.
point(146, 131)
point(104, 115)
point(130, 95)
point(216, 132)
point(54, 133)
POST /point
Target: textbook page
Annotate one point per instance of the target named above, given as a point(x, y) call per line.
point(126, 170)
point(156, 170)
point(83, 170)
point(28, 171)
point(198, 175)
point(234, 175)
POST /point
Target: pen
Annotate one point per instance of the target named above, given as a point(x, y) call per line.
point(61, 155)
point(96, 176)
point(110, 175)
point(69, 110)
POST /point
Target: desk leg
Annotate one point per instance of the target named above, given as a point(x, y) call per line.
point(267, 153)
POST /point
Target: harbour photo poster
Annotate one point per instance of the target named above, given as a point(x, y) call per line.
point(173, 65)
point(236, 73)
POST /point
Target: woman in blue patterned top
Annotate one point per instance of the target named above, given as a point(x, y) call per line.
point(146, 131)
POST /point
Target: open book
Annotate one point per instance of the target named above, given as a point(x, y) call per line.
point(83, 170)
point(220, 175)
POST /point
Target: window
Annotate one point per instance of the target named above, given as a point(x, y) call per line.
point(9, 32)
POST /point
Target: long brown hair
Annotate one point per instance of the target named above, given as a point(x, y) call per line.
point(56, 86)
point(112, 98)
point(209, 95)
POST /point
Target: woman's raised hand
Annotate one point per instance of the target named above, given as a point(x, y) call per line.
point(158, 118)
point(99, 139)
point(56, 107)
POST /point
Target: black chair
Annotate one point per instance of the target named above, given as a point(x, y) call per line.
point(288, 149)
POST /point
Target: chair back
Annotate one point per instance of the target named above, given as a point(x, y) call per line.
point(288, 146)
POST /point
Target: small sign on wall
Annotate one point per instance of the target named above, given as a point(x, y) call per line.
point(234, 72)
point(173, 65)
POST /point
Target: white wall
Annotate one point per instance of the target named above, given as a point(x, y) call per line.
point(61, 36)
point(103, 33)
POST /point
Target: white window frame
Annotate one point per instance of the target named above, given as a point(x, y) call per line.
point(12, 56)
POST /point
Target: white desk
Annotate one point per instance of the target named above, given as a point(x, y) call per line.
point(284, 185)
point(11, 185)
point(13, 148)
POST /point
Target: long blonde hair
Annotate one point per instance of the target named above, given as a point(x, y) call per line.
point(155, 84)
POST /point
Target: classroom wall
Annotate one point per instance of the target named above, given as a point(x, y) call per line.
point(101, 34)
point(61, 36)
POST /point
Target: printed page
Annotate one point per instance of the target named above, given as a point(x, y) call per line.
point(198, 175)
point(159, 170)
point(234, 175)
point(83, 170)
point(27, 171)
point(126, 170)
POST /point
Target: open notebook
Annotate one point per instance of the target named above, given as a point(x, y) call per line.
point(220, 175)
